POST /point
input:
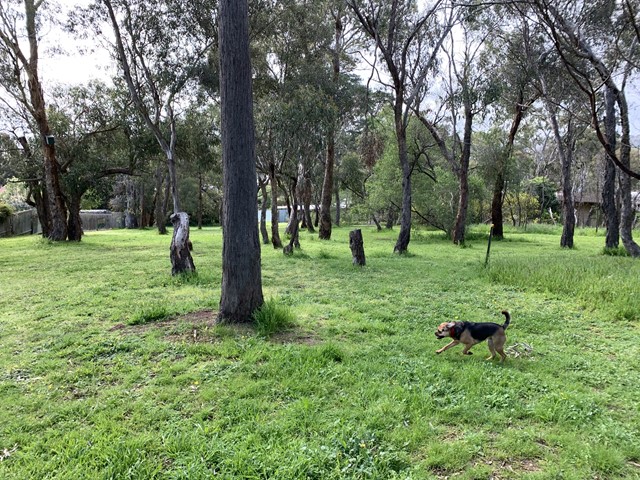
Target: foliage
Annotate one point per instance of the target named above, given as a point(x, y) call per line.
point(5, 211)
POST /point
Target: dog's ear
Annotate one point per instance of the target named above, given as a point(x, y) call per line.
point(451, 324)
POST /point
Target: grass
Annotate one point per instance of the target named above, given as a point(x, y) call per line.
point(111, 368)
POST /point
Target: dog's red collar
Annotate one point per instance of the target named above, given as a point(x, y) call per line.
point(452, 332)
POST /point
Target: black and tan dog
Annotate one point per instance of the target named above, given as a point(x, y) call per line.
point(470, 333)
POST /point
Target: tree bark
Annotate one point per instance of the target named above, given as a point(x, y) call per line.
point(241, 293)
point(402, 244)
point(338, 206)
point(357, 247)
point(609, 207)
point(180, 250)
point(460, 225)
point(275, 234)
point(74, 229)
point(55, 204)
point(263, 212)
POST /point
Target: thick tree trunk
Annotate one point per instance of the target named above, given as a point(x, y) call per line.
point(609, 207)
point(357, 247)
point(402, 244)
point(263, 213)
point(275, 234)
point(241, 293)
point(377, 223)
point(180, 250)
point(75, 222)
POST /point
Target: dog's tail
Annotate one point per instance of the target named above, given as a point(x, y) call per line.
point(508, 317)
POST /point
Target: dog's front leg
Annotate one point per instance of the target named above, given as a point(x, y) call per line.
point(447, 347)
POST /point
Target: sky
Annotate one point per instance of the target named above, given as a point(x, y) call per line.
point(73, 67)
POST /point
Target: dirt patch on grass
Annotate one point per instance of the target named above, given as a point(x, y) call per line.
point(202, 326)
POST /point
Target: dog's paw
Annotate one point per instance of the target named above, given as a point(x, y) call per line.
point(438, 352)
point(467, 353)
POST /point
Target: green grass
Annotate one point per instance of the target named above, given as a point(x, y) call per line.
point(111, 368)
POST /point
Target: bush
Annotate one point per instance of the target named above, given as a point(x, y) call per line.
point(5, 211)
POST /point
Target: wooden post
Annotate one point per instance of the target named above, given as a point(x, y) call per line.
point(486, 260)
point(357, 247)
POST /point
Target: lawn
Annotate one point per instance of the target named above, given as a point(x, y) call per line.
point(111, 368)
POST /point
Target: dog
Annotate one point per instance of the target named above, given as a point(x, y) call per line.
point(470, 333)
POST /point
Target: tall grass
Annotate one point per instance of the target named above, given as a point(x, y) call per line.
point(112, 368)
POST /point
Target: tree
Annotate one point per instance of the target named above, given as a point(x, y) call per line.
point(241, 272)
point(408, 43)
point(467, 89)
point(21, 82)
point(592, 58)
point(159, 50)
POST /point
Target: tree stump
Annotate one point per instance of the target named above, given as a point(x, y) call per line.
point(181, 246)
point(357, 247)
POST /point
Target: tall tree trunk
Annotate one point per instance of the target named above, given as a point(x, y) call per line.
point(263, 211)
point(327, 183)
point(200, 200)
point(460, 225)
point(499, 185)
point(275, 234)
point(338, 206)
point(306, 202)
point(241, 293)
point(160, 202)
point(54, 199)
point(402, 244)
point(627, 210)
point(609, 207)
point(565, 150)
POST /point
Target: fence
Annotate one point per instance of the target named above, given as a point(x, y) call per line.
point(26, 222)
point(20, 223)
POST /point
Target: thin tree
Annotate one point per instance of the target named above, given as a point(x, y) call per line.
point(408, 44)
point(241, 272)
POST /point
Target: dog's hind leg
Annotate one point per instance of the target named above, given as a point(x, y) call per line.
point(492, 348)
point(499, 346)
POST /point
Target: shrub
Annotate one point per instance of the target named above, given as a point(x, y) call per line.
point(5, 211)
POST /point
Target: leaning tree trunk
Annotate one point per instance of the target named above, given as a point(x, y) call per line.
point(241, 292)
point(402, 244)
point(180, 250)
point(609, 206)
point(294, 232)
